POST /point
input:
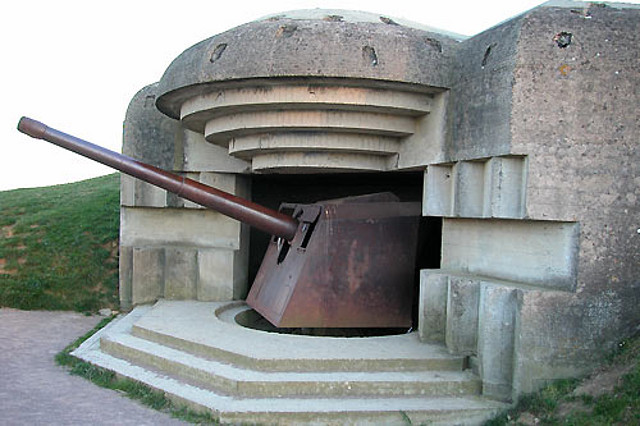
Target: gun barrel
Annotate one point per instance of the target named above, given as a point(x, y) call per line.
point(263, 218)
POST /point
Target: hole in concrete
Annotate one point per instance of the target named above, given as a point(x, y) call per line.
point(563, 39)
point(369, 54)
point(149, 101)
point(434, 44)
point(388, 21)
point(487, 52)
point(286, 30)
point(217, 52)
point(333, 18)
point(253, 320)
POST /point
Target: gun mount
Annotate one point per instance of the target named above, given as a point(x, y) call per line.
point(339, 263)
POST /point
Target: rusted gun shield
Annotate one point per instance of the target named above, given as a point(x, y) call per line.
point(351, 264)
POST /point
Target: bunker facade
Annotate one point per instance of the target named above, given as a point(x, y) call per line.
point(520, 143)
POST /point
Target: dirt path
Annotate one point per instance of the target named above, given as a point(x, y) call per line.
point(34, 390)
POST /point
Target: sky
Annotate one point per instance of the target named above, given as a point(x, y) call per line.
point(75, 65)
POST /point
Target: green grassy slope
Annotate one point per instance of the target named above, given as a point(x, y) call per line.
point(58, 246)
point(609, 396)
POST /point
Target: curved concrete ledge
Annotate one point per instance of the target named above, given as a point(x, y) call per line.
point(208, 329)
point(250, 146)
point(221, 129)
point(271, 125)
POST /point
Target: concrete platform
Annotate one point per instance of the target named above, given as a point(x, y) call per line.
point(197, 354)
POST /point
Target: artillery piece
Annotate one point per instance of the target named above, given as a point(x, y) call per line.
point(339, 263)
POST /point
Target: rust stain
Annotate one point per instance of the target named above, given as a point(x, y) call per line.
point(564, 69)
point(357, 266)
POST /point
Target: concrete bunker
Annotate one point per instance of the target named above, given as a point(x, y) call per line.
point(520, 146)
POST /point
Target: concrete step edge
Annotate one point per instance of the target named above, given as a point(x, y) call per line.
point(440, 410)
point(232, 379)
point(231, 356)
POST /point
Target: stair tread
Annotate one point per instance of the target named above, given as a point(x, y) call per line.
point(184, 321)
point(241, 373)
point(252, 405)
point(211, 399)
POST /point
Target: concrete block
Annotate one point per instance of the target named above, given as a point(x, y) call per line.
point(426, 145)
point(127, 190)
point(180, 273)
point(468, 188)
point(187, 203)
point(438, 190)
point(148, 195)
point(148, 275)
point(496, 339)
point(178, 227)
point(125, 265)
point(231, 183)
point(200, 155)
point(215, 275)
point(540, 253)
point(462, 315)
point(241, 265)
point(432, 316)
point(223, 274)
point(504, 192)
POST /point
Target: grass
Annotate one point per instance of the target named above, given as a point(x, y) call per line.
point(59, 245)
point(130, 388)
point(566, 402)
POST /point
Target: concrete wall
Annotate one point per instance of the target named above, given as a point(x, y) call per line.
point(546, 291)
point(170, 247)
point(575, 116)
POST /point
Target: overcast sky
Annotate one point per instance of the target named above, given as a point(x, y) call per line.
point(75, 65)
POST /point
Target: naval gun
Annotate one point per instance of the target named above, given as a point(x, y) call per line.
point(343, 263)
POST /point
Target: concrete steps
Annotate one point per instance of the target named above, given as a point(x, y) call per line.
point(299, 380)
point(233, 380)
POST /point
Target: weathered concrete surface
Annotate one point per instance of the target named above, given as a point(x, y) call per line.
point(434, 290)
point(148, 135)
point(492, 187)
point(162, 238)
point(160, 233)
point(575, 115)
point(197, 352)
point(479, 114)
point(34, 390)
point(557, 87)
point(283, 46)
point(496, 339)
point(463, 296)
point(539, 253)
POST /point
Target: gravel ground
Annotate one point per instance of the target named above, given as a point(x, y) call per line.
point(34, 390)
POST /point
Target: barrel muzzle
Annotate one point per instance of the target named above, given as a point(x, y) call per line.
point(32, 127)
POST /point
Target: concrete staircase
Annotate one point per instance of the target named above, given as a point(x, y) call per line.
point(197, 354)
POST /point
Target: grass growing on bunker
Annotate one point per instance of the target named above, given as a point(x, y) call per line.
point(609, 396)
point(58, 246)
point(132, 389)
